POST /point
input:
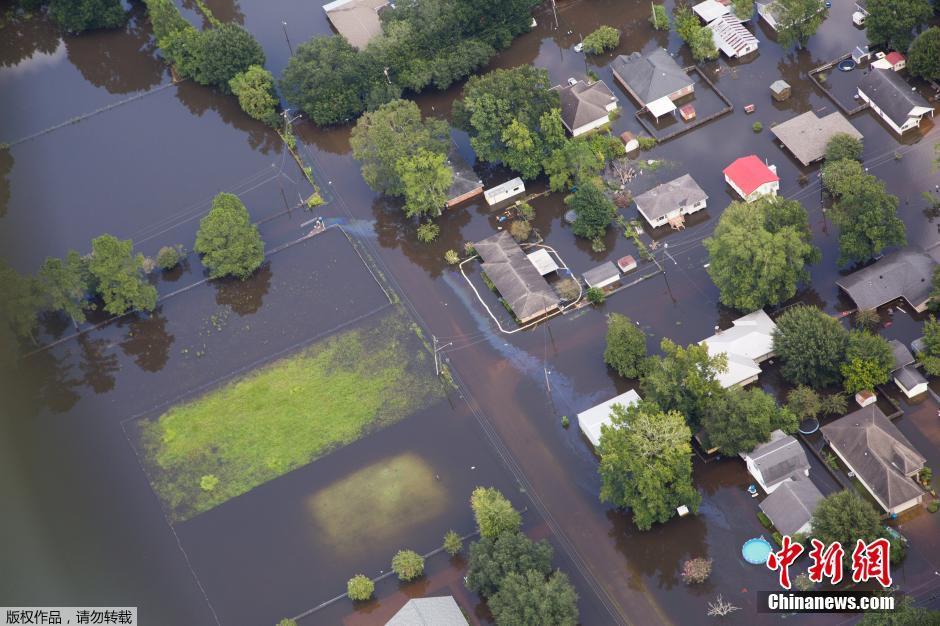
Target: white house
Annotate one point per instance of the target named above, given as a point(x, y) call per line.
point(602, 275)
point(731, 37)
point(751, 178)
point(671, 202)
point(779, 460)
point(893, 100)
point(585, 106)
point(591, 420)
point(905, 373)
point(747, 344)
point(495, 195)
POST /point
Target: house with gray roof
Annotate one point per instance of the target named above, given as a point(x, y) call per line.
point(585, 106)
point(655, 80)
point(439, 611)
point(523, 288)
point(905, 373)
point(903, 274)
point(356, 20)
point(806, 135)
point(602, 275)
point(777, 461)
point(893, 99)
point(880, 456)
point(791, 506)
point(671, 202)
point(465, 184)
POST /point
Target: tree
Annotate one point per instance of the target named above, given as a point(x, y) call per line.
point(804, 402)
point(743, 419)
point(903, 614)
point(76, 16)
point(494, 558)
point(286, 622)
point(255, 91)
point(702, 45)
point(659, 18)
point(798, 20)
point(22, 300)
point(891, 23)
point(686, 22)
point(743, 9)
point(426, 179)
point(169, 257)
point(65, 285)
point(360, 588)
point(839, 176)
point(867, 218)
point(833, 404)
point(528, 598)
point(811, 346)
point(571, 164)
point(758, 253)
point(118, 274)
point(923, 57)
point(328, 80)
point(494, 514)
point(696, 571)
point(520, 230)
point(594, 211)
point(407, 565)
point(428, 232)
point(930, 357)
point(867, 319)
point(843, 146)
point(601, 40)
point(393, 133)
point(452, 543)
point(224, 52)
point(868, 362)
point(845, 517)
point(229, 243)
point(626, 346)
point(684, 380)
point(646, 463)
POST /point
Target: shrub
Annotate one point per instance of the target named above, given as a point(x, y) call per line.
point(451, 257)
point(408, 565)
point(603, 39)
point(764, 520)
point(488, 282)
point(169, 257)
point(286, 622)
point(565, 422)
point(526, 211)
point(695, 571)
point(933, 506)
point(209, 482)
point(468, 248)
point(359, 588)
point(494, 514)
point(452, 543)
point(867, 319)
point(595, 295)
point(659, 18)
point(646, 143)
point(567, 288)
point(802, 582)
point(255, 91)
point(925, 476)
point(428, 232)
point(520, 230)
point(757, 127)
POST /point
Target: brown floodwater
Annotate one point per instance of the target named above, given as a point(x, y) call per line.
point(87, 527)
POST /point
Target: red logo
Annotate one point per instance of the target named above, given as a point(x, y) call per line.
point(869, 561)
point(782, 560)
point(826, 563)
point(872, 561)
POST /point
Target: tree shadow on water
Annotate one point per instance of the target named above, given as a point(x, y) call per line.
point(148, 342)
point(244, 297)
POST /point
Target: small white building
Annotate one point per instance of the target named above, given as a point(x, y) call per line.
point(779, 460)
point(591, 420)
point(746, 345)
point(893, 100)
point(670, 202)
point(602, 275)
point(505, 191)
point(710, 10)
point(542, 261)
point(731, 37)
point(905, 373)
point(751, 178)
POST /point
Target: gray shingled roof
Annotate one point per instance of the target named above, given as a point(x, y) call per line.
point(909, 376)
point(440, 611)
point(806, 135)
point(891, 93)
point(902, 274)
point(583, 103)
point(791, 505)
point(516, 279)
point(779, 459)
point(878, 452)
point(902, 356)
point(675, 194)
point(650, 77)
point(465, 179)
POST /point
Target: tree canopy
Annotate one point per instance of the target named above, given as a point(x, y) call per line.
point(846, 517)
point(224, 52)
point(843, 146)
point(923, 57)
point(491, 559)
point(119, 276)
point(229, 243)
point(804, 402)
point(255, 91)
point(626, 346)
point(494, 514)
point(811, 346)
point(76, 16)
point(529, 598)
point(646, 463)
point(684, 380)
point(892, 23)
point(426, 179)
point(758, 253)
point(594, 211)
point(868, 362)
point(740, 420)
point(65, 285)
point(692, 32)
point(798, 20)
point(930, 357)
point(601, 40)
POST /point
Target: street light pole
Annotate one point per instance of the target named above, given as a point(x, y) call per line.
point(289, 47)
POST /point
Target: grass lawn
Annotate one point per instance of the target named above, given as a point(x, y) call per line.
point(285, 415)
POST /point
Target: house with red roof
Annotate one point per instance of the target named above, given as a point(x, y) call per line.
point(751, 178)
point(894, 60)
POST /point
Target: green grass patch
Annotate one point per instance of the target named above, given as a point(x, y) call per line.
point(286, 414)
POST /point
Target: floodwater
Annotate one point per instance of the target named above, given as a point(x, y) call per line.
point(88, 528)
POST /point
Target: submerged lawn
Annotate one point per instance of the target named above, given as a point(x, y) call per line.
point(285, 415)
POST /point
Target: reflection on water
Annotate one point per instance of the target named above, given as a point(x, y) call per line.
point(98, 363)
point(242, 296)
point(147, 341)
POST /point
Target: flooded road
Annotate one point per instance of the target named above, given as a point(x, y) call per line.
point(91, 528)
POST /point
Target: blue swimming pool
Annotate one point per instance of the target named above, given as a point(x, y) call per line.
point(756, 550)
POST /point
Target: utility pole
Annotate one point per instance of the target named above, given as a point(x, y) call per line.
point(653, 9)
point(289, 47)
point(555, 12)
point(437, 366)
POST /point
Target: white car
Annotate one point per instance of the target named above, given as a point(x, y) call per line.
point(578, 47)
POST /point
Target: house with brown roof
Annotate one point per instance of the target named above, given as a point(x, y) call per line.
point(879, 455)
point(807, 134)
point(585, 106)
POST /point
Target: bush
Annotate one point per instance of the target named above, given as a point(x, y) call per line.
point(757, 127)
point(520, 230)
point(844, 146)
point(360, 588)
point(451, 257)
point(603, 39)
point(209, 482)
point(169, 257)
point(565, 422)
point(659, 18)
point(933, 506)
point(525, 211)
point(452, 543)
point(595, 295)
point(428, 232)
point(764, 520)
point(469, 249)
point(408, 565)
point(255, 91)
point(695, 571)
point(646, 143)
point(286, 622)
point(567, 288)
point(494, 514)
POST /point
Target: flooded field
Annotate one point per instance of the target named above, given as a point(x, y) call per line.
point(148, 169)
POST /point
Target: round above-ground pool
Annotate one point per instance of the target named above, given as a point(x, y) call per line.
point(847, 65)
point(809, 426)
point(755, 551)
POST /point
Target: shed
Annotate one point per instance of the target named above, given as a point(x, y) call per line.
point(910, 381)
point(687, 111)
point(806, 135)
point(777, 461)
point(861, 53)
point(356, 20)
point(602, 275)
point(630, 143)
point(495, 195)
point(780, 90)
point(710, 10)
point(543, 261)
point(591, 420)
point(626, 263)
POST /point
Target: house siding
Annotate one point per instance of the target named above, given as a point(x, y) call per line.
point(912, 122)
point(589, 127)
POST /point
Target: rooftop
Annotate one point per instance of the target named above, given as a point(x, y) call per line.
point(591, 420)
point(650, 77)
point(749, 173)
point(440, 611)
point(356, 20)
point(730, 36)
point(893, 95)
point(668, 197)
point(909, 376)
point(710, 10)
point(583, 103)
point(749, 341)
point(516, 279)
point(902, 356)
point(601, 274)
point(904, 274)
point(806, 135)
point(779, 459)
point(465, 179)
point(792, 505)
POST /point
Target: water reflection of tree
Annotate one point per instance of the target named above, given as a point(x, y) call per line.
point(226, 11)
point(121, 61)
point(97, 365)
point(244, 297)
point(794, 68)
point(48, 381)
point(6, 166)
point(199, 99)
point(22, 38)
point(148, 342)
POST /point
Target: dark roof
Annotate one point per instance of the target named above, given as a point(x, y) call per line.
point(878, 452)
point(791, 505)
point(676, 194)
point(902, 274)
point(583, 103)
point(909, 377)
point(779, 459)
point(650, 77)
point(516, 279)
point(892, 94)
point(465, 179)
point(902, 356)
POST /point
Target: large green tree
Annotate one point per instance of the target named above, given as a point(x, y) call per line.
point(811, 346)
point(743, 419)
point(923, 57)
point(65, 284)
point(224, 52)
point(868, 361)
point(229, 243)
point(426, 179)
point(843, 146)
point(626, 346)
point(76, 16)
point(494, 514)
point(255, 91)
point(892, 23)
point(646, 463)
point(867, 218)
point(798, 20)
point(593, 209)
point(684, 380)
point(491, 559)
point(119, 276)
point(930, 357)
point(573, 162)
point(846, 517)
point(529, 598)
point(390, 134)
point(758, 253)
